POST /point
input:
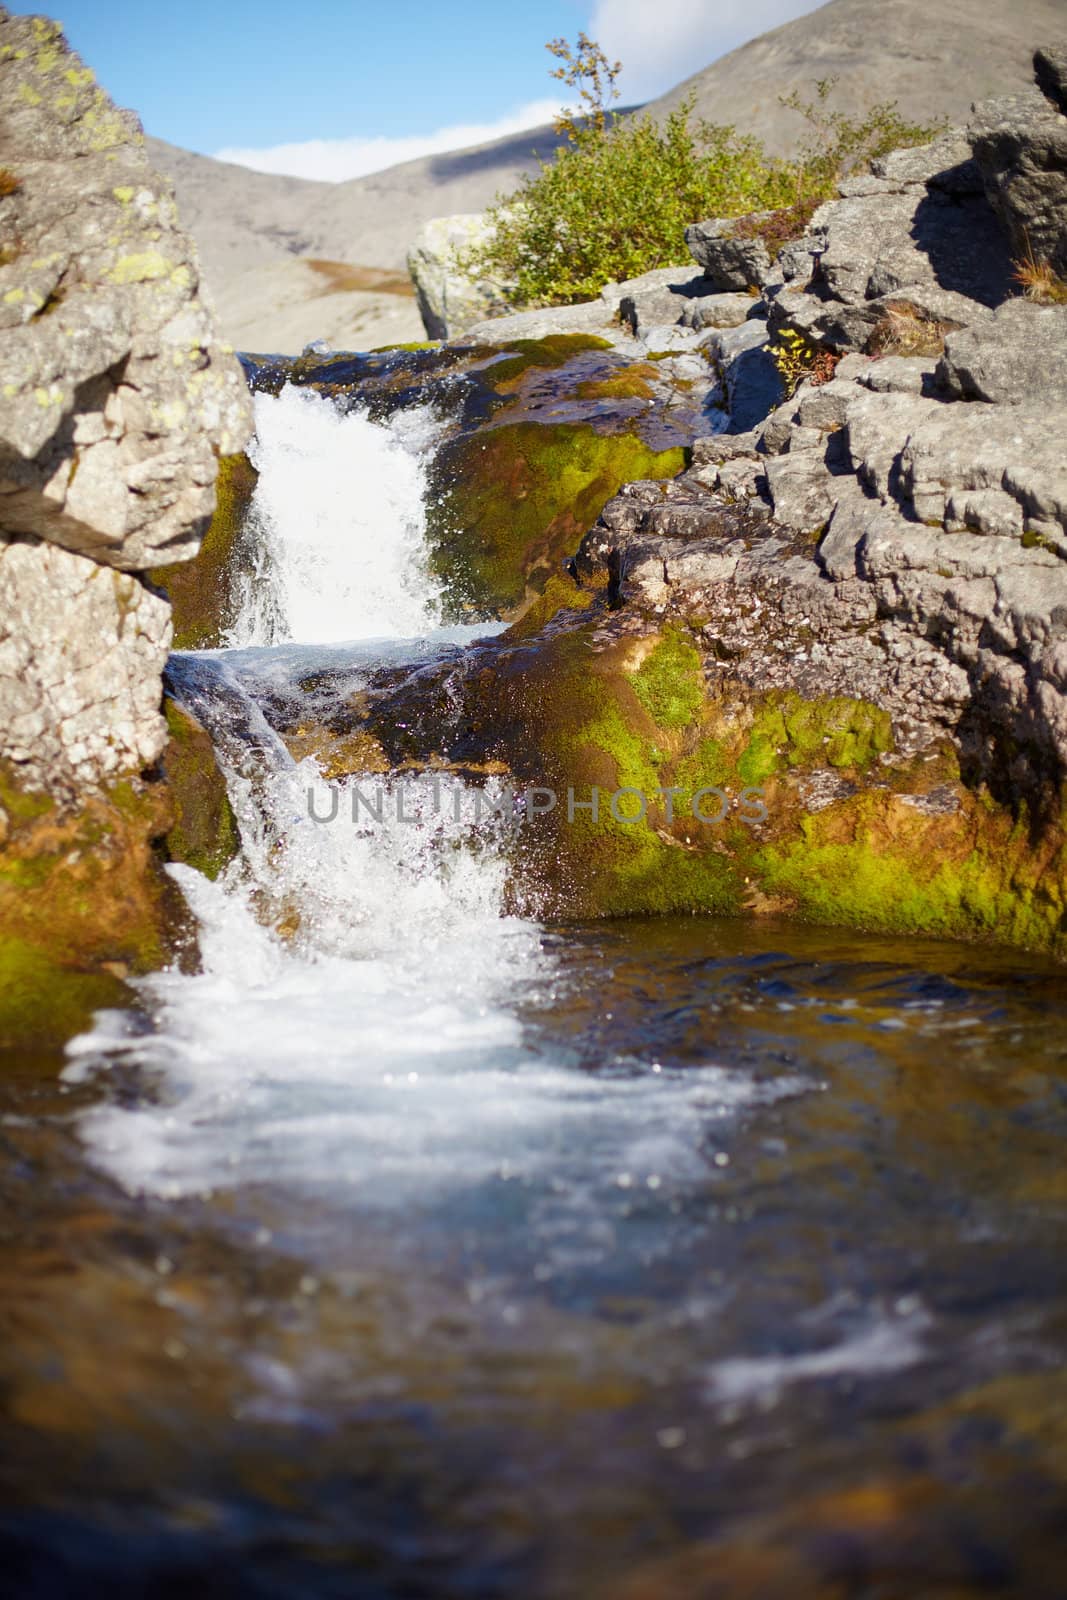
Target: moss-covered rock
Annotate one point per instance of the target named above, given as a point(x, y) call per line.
point(514, 500)
point(204, 592)
point(83, 905)
point(203, 833)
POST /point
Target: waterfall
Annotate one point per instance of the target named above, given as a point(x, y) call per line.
point(338, 517)
point(357, 1026)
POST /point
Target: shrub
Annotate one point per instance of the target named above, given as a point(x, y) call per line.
point(616, 199)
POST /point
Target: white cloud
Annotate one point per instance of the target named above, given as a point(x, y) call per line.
point(661, 43)
point(334, 160)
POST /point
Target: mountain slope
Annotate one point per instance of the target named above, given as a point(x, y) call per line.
point(934, 57)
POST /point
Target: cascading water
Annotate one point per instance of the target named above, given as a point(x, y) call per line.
point(338, 518)
point(375, 1039)
point(410, 1248)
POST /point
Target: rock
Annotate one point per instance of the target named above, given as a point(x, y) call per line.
point(82, 650)
point(908, 253)
point(590, 316)
point(669, 296)
point(205, 594)
point(203, 830)
point(721, 311)
point(1050, 71)
point(452, 298)
point(1020, 146)
point(1019, 355)
point(731, 258)
point(752, 382)
point(116, 403)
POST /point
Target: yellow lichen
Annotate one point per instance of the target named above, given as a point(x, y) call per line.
point(142, 267)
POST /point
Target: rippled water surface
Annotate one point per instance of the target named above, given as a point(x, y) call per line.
point(759, 1291)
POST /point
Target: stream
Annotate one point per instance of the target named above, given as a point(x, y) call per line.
point(410, 1248)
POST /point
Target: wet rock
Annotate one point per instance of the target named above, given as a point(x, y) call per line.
point(203, 830)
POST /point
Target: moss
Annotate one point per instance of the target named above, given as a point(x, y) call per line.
point(43, 1002)
point(789, 732)
point(82, 903)
point(873, 861)
point(204, 832)
point(414, 344)
point(670, 682)
point(555, 350)
point(202, 591)
point(514, 500)
point(632, 384)
point(560, 593)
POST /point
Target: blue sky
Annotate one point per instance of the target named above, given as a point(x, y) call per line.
point(329, 88)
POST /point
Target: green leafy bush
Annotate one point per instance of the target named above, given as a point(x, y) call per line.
point(616, 200)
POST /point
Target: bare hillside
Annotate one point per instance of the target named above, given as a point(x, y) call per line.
point(934, 57)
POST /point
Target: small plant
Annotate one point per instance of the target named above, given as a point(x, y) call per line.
point(797, 357)
point(617, 197)
point(9, 184)
point(905, 330)
point(588, 70)
point(778, 228)
point(1039, 281)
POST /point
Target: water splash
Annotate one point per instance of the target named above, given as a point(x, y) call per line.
point(338, 517)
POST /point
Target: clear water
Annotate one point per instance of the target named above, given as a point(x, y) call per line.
point(411, 1249)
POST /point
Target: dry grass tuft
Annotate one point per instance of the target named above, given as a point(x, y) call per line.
point(1039, 282)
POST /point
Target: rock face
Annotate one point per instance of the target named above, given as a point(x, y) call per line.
point(1020, 145)
point(116, 402)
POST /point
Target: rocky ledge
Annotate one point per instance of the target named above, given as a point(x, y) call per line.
point(116, 402)
point(844, 626)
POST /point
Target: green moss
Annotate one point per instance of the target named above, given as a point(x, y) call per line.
point(873, 862)
point(204, 832)
point(203, 591)
point(43, 1002)
point(555, 350)
point(414, 344)
point(670, 682)
point(514, 500)
point(560, 593)
point(629, 385)
point(789, 732)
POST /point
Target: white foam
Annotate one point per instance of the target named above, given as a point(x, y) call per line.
point(338, 517)
point(883, 1345)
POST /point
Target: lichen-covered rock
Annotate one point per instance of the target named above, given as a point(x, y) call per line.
point(1020, 147)
point(116, 400)
point(451, 297)
point(116, 397)
point(82, 650)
